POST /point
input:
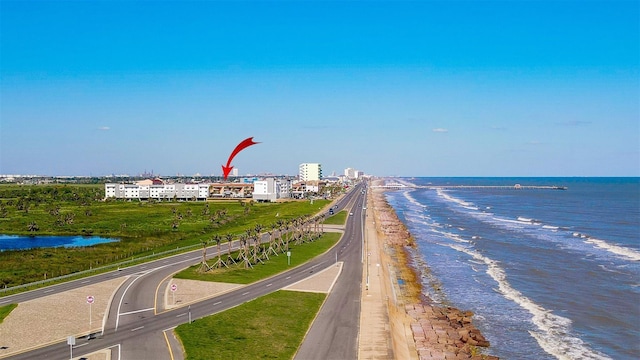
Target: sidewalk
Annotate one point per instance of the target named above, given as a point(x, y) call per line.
point(385, 331)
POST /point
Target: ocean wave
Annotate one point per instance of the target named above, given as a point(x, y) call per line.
point(552, 331)
point(625, 252)
point(412, 200)
point(443, 194)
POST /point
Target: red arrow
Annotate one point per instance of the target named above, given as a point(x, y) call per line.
point(244, 144)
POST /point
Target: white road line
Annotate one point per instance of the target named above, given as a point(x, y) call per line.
point(77, 346)
point(136, 311)
point(245, 293)
point(269, 285)
point(48, 291)
point(288, 277)
point(86, 281)
point(4, 301)
point(218, 303)
point(181, 315)
point(138, 328)
point(121, 300)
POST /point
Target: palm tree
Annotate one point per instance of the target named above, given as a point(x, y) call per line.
point(219, 263)
point(229, 238)
point(243, 252)
point(33, 226)
point(272, 242)
point(204, 267)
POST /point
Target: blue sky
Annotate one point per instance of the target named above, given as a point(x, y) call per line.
point(420, 88)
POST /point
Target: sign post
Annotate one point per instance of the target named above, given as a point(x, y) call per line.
point(71, 340)
point(90, 300)
point(174, 287)
point(288, 257)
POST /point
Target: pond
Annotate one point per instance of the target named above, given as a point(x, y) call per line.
point(22, 242)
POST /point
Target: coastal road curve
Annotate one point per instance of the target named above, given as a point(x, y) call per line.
point(134, 304)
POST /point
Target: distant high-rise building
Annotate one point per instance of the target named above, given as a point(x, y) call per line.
point(310, 172)
point(234, 172)
point(350, 173)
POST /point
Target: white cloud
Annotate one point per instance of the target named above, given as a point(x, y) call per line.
point(440, 130)
point(104, 128)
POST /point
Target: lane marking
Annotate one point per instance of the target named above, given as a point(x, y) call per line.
point(136, 311)
point(48, 291)
point(218, 303)
point(168, 344)
point(138, 328)
point(81, 345)
point(269, 285)
point(86, 281)
point(245, 293)
point(181, 315)
point(288, 277)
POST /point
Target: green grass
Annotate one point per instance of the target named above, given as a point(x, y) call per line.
point(338, 219)
point(6, 310)
point(143, 228)
point(270, 327)
point(276, 264)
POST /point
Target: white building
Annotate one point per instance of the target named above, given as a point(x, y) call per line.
point(271, 189)
point(310, 172)
point(350, 173)
point(158, 192)
point(353, 174)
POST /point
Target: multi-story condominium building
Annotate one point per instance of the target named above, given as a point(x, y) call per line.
point(350, 173)
point(271, 189)
point(310, 172)
point(158, 192)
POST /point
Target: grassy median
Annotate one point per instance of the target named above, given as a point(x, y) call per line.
point(6, 310)
point(237, 274)
point(270, 327)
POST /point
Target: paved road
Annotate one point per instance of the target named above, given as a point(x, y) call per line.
point(333, 334)
point(133, 321)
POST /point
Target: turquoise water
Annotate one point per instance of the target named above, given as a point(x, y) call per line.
point(21, 242)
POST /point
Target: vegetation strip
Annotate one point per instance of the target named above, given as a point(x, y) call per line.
point(6, 310)
point(272, 327)
point(237, 274)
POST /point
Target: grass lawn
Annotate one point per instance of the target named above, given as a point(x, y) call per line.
point(276, 264)
point(6, 310)
point(270, 327)
point(338, 219)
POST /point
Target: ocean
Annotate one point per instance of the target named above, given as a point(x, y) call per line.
point(549, 274)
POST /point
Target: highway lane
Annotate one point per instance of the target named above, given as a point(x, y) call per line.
point(334, 333)
point(135, 319)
